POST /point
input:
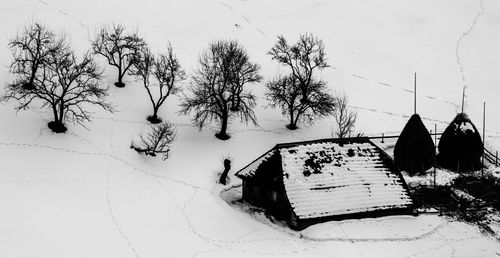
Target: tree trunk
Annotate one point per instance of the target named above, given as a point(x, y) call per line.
point(57, 126)
point(154, 119)
point(293, 122)
point(120, 83)
point(222, 135)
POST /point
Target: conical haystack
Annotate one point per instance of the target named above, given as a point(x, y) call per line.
point(414, 151)
point(460, 147)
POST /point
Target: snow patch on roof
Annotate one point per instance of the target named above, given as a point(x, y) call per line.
point(327, 179)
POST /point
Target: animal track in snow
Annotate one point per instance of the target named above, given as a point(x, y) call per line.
point(460, 40)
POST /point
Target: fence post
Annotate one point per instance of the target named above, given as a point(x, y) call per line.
point(496, 159)
point(435, 135)
point(382, 137)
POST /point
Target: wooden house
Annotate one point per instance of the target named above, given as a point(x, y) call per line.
point(309, 182)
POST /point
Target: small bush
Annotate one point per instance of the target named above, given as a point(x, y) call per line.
point(157, 141)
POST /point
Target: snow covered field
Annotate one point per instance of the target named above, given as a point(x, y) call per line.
point(87, 194)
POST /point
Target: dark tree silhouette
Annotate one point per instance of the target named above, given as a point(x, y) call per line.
point(414, 151)
point(162, 72)
point(345, 119)
point(118, 47)
point(31, 50)
point(239, 71)
point(460, 146)
point(285, 93)
point(65, 85)
point(303, 58)
point(211, 91)
point(157, 141)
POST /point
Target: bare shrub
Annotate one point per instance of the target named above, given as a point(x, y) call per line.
point(157, 141)
point(345, 118)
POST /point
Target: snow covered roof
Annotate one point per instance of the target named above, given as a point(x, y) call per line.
point(328, 178)
point(249, 170)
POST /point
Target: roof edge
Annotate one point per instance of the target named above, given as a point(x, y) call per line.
point(292, 144)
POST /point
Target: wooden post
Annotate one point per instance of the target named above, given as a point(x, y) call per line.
point(463, 98)
point(496, 158)
point(223, 176)
point(484, 139)
point(382, 137)
point(435, 146)
point(435, 135)
point(415, 95)
point(435, 177)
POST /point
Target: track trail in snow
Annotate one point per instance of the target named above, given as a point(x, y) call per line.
point(462, 37)
point(245, 18)
point(182, 208)
point(109, 204)
point(355, 75)
point(103, 154)
point(220, 244)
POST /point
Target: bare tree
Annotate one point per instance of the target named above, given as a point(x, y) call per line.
point(212, 91)
point(162, 72)
point(63, 84)
point(303, 58)
point(285, 93)
point(240, 71)
point(31, 50)
point(119, 48)
point(157, 141)
point(345, 118)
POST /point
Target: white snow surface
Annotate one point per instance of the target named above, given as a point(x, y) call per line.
point(87, 194)
point(342, 184)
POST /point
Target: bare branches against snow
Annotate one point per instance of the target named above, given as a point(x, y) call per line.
point(299, 94)
point(162, 72)
point(157, 141)
point(118, 47)
point(48, 71)
point(217, 88)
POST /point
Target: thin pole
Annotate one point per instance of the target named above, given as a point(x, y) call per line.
point(415, 95)
point(435, 146)
point(435, 135)
point(496, 159)
point(463, 98)
point(484, 139)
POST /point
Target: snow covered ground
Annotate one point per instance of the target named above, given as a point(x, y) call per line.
point(87, 194)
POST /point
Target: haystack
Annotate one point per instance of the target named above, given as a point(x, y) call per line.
point(460, 147)
point(414, 151)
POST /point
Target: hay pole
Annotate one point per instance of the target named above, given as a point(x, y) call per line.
point(463, 98)
point(415, 95)
point(484, 139)
point(435, 146)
